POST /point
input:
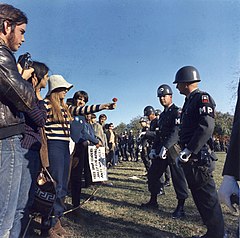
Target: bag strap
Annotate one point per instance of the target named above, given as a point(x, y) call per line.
point(44, 149)
point(49, 175)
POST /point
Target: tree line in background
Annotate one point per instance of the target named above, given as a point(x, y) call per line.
point(223, 126)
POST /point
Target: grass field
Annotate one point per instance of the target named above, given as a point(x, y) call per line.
point(116, 212)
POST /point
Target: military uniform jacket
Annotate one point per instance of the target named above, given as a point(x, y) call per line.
point(151, 133)
point(144, 140)
point(232, 163)
point(131, 142)
point(197, 121)
point(168, 128)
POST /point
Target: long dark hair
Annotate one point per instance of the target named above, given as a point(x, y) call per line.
point(40, 70)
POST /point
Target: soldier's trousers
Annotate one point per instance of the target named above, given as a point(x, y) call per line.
point(167, 174)
point(204, 193)
point(145, 159)
point(156, 171)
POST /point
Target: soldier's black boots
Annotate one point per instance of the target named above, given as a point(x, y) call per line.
point(178, 213)
point(161, 192)
point(151, 205)
point(207, 236)
point(152, 202)
point(167, 184)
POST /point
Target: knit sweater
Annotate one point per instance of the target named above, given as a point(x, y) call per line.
point(34, 120)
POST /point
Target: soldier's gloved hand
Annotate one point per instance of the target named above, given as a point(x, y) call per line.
point(228, 187)
point(163, 153)
point(152, 154)
point(142, 134)
point(183, 157)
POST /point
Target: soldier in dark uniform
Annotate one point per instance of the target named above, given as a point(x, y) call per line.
point(157, 113)
point(150, 135)
point(167, 173)
point(143, 143)
point(138, 148)
point(231, 171)
point(196, 156)
point(120, 145)
point(125, 146)
point(131, 145)
point(166, 138)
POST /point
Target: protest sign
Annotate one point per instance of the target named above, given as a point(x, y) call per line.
point(97, 163)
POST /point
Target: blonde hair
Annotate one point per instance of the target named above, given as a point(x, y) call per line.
point(58, 108)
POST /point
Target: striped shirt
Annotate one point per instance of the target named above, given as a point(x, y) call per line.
point(56, 130)
point(61, 131)
point(84, 110)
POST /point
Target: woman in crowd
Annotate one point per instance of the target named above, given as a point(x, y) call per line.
point(31, 144)
point(57, 130)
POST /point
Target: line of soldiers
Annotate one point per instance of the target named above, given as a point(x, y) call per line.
point(127, 146)
point(161, 135)
point(182, 139)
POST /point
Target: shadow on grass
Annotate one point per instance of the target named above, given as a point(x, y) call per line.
point(141, 181)
point(116, 228)
point(128, 168)
point(164, 211)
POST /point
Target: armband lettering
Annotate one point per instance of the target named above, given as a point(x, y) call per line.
point(206, 110)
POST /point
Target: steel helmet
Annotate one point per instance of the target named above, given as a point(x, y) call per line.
point(187, 74)
point(142, 119)
point(163, 90)
point(148, 110)
point(157, 112)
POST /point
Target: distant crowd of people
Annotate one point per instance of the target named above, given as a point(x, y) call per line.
point(221, 145)
point(36, 135)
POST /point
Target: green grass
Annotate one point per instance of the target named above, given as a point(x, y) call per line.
point(117, 212)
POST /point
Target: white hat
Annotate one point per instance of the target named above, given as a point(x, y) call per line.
point(57, 81)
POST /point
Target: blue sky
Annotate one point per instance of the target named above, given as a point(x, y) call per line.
point(128, 48)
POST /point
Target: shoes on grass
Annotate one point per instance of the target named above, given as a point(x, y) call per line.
point(151, 205)
point(178, 213)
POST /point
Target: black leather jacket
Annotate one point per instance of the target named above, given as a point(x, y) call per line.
point(16, 95)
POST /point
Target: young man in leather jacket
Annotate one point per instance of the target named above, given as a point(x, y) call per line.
point(16, 96)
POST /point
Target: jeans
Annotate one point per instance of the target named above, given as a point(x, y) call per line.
point(30, 168)
point(59, 160)
point(11, 157)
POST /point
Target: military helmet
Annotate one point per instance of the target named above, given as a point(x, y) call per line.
point(187, 74)
point(142, 119)
point(163, 90)
point(157, 112)
point(148, 110)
